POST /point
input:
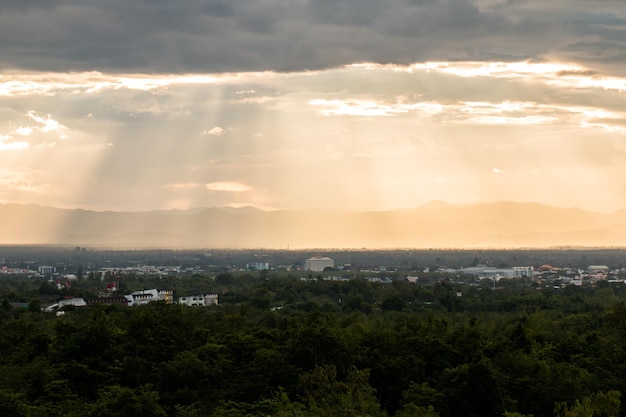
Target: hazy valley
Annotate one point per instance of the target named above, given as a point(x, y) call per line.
point(433, 225)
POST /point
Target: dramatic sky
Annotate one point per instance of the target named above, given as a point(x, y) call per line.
point(339, 104)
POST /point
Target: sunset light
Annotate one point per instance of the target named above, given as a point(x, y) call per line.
point(387, 128)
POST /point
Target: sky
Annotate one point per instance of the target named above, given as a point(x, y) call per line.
point(136, 105)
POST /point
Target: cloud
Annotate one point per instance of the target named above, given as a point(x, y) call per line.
point(231, 187)
point(11, 182)
point(15, 83)
point(24, 131)
point(520, 120)
point(8, 144)
point(47, 124)
point(366, 135)
point(371, 108)
point(214, 131)
point(183, 186)
point(610, 124)
point(576, 73)
point(616, 121)
point(136, 36)
point(550, 73)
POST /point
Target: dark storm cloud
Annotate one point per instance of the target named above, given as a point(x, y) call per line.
point(290, 35)
point(23, 5)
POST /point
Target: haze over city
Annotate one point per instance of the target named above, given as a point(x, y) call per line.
point(349, 105)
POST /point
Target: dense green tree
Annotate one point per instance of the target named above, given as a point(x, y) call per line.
point(12, 404)
point(421, 398)
point(325, 395)
point(34, 306)
point(412, 410)
point(117, 401)
point(393, 303)
point(472, 390)
point(427, 351)
point(598, 405)
point(224, 279)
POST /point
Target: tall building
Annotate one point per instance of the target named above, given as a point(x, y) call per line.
point(318, 263)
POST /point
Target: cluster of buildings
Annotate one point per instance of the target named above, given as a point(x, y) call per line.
point(552, 276)
point(316, 263)
point(152, 270)
point(483, 271)
point(137, 298)
point(557, 277)
point(562, 277)
point(4, 270)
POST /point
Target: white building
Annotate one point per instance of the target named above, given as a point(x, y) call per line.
point(147, 296)
point(46, 270)
point(199, 300)
point(594, 269)
point(77, 302)
point(318, 263)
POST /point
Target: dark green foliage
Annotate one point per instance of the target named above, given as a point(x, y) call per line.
point(393, 302)
point(12, 404)
point(473, 391)
point(597, 405)
point(278, 346)
point(224, 279)
point(325, 395)
point(116, 401)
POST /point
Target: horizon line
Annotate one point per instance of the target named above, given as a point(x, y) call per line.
point(268, 210)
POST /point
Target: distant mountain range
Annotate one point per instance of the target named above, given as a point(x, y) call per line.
point(433, 225)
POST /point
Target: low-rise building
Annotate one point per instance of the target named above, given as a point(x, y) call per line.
point(148, 296)
point(258, 266)
point(318, 263)
point(111, 300)
point(199, 300)
point(77, 302)
point(491, 272)
point(46, 269)
point(594, 269)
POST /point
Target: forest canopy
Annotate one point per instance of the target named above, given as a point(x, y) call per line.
point(279, 346)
